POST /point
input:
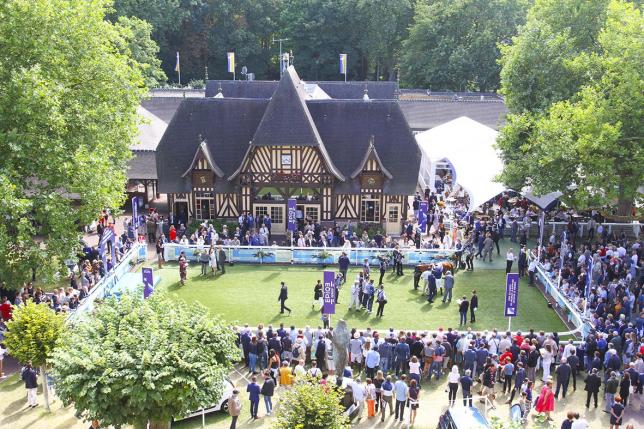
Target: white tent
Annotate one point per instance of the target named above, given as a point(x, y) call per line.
point(469, 146)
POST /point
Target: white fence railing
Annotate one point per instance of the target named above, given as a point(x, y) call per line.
point(571, 312)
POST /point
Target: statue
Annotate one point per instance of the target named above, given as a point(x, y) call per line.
point(341, 338)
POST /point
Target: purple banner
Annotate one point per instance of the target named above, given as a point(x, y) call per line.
point(511, 294)
point(422, 216)
point(328, 292)
point(135, 211)
point(108, 236)
point(148, 282)
point(291, 209)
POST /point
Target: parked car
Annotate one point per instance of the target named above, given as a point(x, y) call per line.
point(222, 405)
point(463, 418)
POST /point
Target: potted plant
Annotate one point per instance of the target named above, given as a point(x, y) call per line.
point(324, 257)
point(261, 254)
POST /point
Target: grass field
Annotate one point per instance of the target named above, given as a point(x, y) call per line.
point(248, 294)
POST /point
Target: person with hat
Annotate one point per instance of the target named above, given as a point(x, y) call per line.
point(234, 408)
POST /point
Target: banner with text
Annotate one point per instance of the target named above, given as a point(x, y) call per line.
point(328, 292)
point(291, 210)
point(422, 216)
point(148, 281)
point(511, 294)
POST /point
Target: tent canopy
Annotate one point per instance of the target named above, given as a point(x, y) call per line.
point(469, 146)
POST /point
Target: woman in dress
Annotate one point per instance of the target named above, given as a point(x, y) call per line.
point(546, 400)
point(414, 396)
point(213, 260)
point(286, 378)
point(624, 388)
point(616, 413)
point(546, 361)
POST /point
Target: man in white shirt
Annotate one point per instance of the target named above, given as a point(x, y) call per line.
point(509, 259)
point(567, 349)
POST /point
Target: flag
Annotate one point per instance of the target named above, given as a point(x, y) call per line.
point(177, 68)
point(231, 62)
point(343, 64)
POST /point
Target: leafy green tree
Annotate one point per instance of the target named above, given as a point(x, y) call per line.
point(67, 117)
point(536, 68)
point(137, 360)
point(455, 44)
point(584, 136)
point(33, 333)
point(142, 49)
point(309, 405)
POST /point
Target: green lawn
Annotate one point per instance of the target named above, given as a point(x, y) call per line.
point(248, 294)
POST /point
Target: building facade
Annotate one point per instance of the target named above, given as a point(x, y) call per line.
point(245, 150)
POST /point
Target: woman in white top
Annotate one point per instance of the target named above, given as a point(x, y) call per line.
point(414, 369)
point(213, 259)
point(546, 361)
point(452, 382)
point(509, 260)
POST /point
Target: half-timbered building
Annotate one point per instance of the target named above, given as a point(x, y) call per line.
point(242, 151)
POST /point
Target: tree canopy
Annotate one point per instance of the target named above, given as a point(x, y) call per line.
point(581, 131)
point(136, 360)
point(68, 99)
point(454, 45)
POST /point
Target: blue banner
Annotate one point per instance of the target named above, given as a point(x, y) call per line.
point(422, 216)
point(328, 292)
point(511, 294)
point(291, 209)
point(148, 282)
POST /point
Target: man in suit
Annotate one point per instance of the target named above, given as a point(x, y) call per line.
point(253, 390)
point(593, 382)
point(563, 372)
point(344, 262)
point(462, 309)
point(474, 304)
point(282, 299)
point(221, 260)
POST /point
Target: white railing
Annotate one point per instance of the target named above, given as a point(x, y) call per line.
point(573, 314)
point(308, 255)
point(102, 289)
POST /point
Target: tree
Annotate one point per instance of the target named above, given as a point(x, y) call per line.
point(142, 49)
point(67, 118)
point(454, 45)
point(136, 360)
point(583, 136)
point(33, 333)
point(309, 405)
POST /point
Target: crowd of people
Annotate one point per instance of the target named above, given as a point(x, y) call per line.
point(530, 370)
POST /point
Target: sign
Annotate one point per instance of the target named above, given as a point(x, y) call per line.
point(328, 293)
point(148, 281)
point(422, 216)
point(292, 214)
point(511, 294)
point(108, 236)
point(135, 212)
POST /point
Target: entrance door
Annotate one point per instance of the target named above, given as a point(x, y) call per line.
point(311, 211)
point(181, 212)
point(277, 213)
point(392, 223)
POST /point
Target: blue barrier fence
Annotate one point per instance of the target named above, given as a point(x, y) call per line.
point(307, 255)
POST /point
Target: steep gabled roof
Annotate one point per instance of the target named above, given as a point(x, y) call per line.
point(227, 125)
point(288, 122)
point(346, 128)
point(371, 152)
point(203, 148)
